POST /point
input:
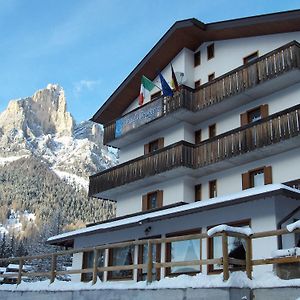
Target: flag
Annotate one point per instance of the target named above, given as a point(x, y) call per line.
point(174, 82)
point(145, 84)
point(166, 90)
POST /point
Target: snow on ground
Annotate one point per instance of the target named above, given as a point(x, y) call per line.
point(6, 160)
point(291, 227)
point(220, 228)
point(72, 179)
point(237, 279)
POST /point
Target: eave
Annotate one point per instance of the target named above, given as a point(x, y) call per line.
point(190, 34)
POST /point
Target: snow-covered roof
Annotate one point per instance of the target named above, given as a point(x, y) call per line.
point(204, 204)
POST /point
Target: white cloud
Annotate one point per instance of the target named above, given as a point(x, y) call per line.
point(85, 84)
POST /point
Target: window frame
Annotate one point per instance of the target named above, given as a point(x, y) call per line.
point(140, 274)
point(146, 200)
point(212, 130)
point(210, 50)
point(198, 192)
point(213, 183)
point(110, 274)
point(197, 58)
point(168, 252)
point(87, 277)
point(197, 83)
point(210, 249)
point(211, 77)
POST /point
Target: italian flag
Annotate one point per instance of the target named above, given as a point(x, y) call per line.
point(146, 84)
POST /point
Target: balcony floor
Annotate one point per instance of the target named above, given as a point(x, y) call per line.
point(222, 165)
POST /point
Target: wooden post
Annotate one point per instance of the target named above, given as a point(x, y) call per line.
point(225, 256)
point(21, 263)
point(249, 257)
point(95, 266)
point(150, 263)
point(53, 267)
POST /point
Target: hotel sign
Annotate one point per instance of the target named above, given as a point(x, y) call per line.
point(141, 116)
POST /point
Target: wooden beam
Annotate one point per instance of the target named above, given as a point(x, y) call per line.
point(150, 263)
point(53, 267)
point(249, 257)
point(225, 256)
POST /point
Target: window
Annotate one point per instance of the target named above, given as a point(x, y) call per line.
point(154, 145)
point(155, 95)
point(211, 76)
point(183, 251)
point(236, 248)
point(210, 51)
point(197, 59)
point(257, 177)
point(197, 83)
point(254, 114)
point(88, 262)
point(152, 200)
point(197, 136)
point(212, 131)
point(249, 58)
point(121, 257)
point(213, 189)
point(143, 259)
point(198, 192)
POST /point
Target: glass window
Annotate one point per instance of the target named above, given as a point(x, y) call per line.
point(121, 257)
point(257, 178)
point(210, 51)
point(183, 251)
point(197, 59)
point(211, 77)
point(153, 146)
point(152, 200)
point(143, 259)
point(213, 189)
point(236, 248)
point(254, 115)
point(88, 262)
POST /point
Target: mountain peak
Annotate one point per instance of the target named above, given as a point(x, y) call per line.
point(43, 113)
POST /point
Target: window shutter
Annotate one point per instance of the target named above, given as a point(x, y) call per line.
point(268, 174)
point(244, 119)
point(160, 143)
point(144, 202)
point(264, 110)
point(146, 148)
point(245, 181)
point(159, 199)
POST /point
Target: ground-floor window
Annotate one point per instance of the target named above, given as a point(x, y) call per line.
point(183, 251)
point(236, 247)
point(88, 262)
point(121, 257)
point(143, 259)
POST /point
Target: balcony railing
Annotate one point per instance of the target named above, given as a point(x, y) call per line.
point(264, 68)
point(268, 131)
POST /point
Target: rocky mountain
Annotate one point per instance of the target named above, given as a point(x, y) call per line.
point(46, 158)
point(40, 126)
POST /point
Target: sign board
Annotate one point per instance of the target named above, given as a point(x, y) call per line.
point(139, 117)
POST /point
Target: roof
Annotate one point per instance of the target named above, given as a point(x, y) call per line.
point(222, 201)
point(190, 33)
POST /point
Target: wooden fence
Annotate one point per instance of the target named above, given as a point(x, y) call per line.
point(268, 131)
point(225, 260)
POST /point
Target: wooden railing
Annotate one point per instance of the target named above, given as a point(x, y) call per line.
point(225, 261)
point(264, 68)
point(268, 131)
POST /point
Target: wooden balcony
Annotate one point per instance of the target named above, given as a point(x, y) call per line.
point(267, 74)
point(238, 146)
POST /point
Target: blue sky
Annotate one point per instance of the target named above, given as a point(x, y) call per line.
point(90, 46)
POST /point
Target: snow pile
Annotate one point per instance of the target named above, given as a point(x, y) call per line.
point(291, 227)
point(221, 228)
point(72, 179)
point(286, 252)
point(9, 159)
point(236, 280)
